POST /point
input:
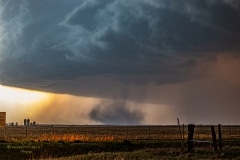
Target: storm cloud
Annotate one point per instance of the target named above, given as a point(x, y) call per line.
point(148, 51)
point(116, 112)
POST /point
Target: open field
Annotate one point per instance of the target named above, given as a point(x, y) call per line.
point(70, 133)
point(113, 142)
point(88, 133)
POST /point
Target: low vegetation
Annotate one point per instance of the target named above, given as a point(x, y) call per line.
point(114, 142)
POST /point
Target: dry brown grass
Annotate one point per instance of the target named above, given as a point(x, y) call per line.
point(108, 133)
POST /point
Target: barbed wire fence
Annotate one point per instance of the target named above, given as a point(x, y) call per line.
point(78, 132)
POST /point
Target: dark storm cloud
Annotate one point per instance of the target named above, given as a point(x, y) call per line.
point(82, 47)
point(116, 112)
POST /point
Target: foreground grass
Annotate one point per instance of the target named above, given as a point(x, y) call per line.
point(114, 155)
point(118, 150)
point(107, 143)
point(155, 154)
point(37, 150)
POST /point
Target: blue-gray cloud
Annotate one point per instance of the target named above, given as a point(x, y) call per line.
point(80, 47)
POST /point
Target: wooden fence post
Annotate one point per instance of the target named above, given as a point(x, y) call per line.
point(26, 132)
point(180, 133)
point(214, 139)
point(149, 132)
point(183, 131)
point(190, 137)
point(220, 137)
point(5, 134)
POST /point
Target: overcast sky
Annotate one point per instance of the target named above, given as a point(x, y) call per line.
point(183, 55)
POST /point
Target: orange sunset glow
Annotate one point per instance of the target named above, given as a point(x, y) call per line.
point(13, 98)
point(23, 96)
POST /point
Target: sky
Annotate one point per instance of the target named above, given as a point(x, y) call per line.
point(120, 61)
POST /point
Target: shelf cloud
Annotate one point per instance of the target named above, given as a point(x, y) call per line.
point(177, 53)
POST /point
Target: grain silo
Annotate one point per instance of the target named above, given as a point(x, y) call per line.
point(28, 122)
point(25, 122)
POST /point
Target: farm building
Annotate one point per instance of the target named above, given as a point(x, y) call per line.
point(2, 118)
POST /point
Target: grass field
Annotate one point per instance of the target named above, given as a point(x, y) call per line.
point(114, 142)
point(88, 133)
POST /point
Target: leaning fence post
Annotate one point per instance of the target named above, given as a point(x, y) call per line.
point(220, 137)
point(190, 137)
point(214, 139)
point(180, 133)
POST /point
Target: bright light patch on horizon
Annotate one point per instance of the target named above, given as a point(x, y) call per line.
point(12, 95)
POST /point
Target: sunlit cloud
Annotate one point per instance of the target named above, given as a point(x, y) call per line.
point(21, 96)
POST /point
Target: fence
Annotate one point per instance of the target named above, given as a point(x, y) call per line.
point(107, 133)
